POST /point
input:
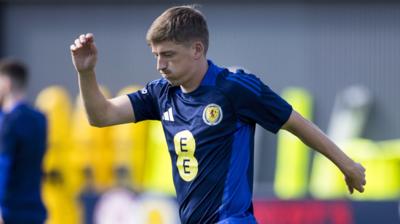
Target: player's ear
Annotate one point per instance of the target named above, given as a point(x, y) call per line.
point(198, 49)
point(5, 83)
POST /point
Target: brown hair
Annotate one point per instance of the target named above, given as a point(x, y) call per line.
point(16, 71)
point(180, 24)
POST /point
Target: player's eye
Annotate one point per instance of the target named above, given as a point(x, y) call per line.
point(168, 54)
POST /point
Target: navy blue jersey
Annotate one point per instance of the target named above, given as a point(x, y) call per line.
point(210, 136)
point(22, 147)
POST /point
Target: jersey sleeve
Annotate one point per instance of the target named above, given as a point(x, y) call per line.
point(255, 102)
point(145, 102)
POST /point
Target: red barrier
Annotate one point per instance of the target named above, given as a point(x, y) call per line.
point(303, 212)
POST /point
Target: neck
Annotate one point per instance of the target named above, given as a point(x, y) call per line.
point(194, 81)
point(11, 100)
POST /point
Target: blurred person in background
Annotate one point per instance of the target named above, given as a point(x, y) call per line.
point(208, 115)
point(23, 133)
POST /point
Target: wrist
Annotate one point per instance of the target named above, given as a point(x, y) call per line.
point(348, 167)
point(86, 72)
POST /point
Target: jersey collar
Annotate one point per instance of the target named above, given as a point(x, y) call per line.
point(211, 74)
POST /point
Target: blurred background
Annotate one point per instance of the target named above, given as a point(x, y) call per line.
point(336, 61)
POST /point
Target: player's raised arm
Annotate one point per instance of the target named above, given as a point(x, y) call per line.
point(101, 112)
point(312, 136)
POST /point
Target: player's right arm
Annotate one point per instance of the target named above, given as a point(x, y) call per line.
point(312, 136)
point(101, 112)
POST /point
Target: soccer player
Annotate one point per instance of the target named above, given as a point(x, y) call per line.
point(22, 147)
point(208, 115)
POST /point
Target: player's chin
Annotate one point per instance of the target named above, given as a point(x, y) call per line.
point(172, 81)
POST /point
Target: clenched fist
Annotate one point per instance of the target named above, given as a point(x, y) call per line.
point(84, 53)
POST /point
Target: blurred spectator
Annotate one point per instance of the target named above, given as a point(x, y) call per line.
point(22, 146)
point(89, 196)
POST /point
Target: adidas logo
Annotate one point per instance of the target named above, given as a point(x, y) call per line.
point(167, 116)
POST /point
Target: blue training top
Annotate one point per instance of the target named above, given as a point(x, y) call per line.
point(210, 136)
point(22, 147)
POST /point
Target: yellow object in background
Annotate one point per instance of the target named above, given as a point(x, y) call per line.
point(54, 101)
point(327, 182)
point(59, 202)
point(158, 171)
point(382, 164)
point(130, 142)
point(381, 161)
point(76, 148)
point(92, 148)
point(293, 156)
point(391, 152)
point(143, 149)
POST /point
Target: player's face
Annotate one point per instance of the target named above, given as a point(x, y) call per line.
point(174, 61)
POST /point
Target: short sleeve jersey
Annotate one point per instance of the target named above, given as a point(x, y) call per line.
point(210, 137)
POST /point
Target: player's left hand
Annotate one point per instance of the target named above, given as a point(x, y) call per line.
point(355, 178)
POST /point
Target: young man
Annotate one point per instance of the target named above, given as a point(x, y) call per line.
point(22, 147)
point(208, 115)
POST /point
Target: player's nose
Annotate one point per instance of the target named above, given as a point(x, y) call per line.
point(161, 64)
